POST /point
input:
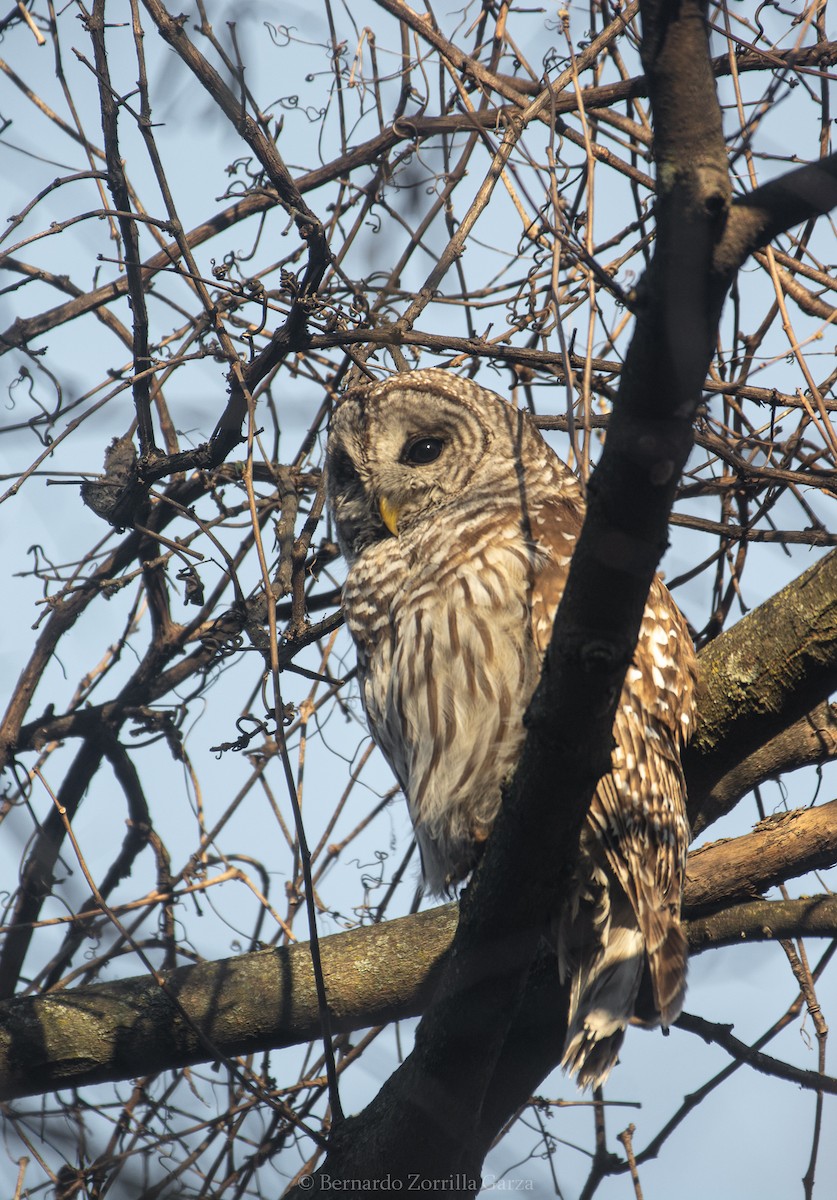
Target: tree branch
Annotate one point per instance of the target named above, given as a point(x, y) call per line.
point(767, 673)
point(765, 920)
point(267, 999)
point(721, 1035)
point(775, 207)
point(781, 847)
point(809, 742)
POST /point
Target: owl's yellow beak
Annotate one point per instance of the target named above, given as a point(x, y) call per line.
point(389, 515)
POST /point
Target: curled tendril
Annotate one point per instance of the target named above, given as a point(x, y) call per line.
point(288, 282)
point(25, 378)
point(43, 568)
point(360, 303)
point(280, 35)
point(245, 735)
point(292, 104)
point(258, 727)
point(552, 61)
point(369, 881)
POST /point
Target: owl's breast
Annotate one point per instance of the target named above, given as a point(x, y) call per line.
point(448, 664)
point(369, 595)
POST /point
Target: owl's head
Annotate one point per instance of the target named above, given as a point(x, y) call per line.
point(400, 450)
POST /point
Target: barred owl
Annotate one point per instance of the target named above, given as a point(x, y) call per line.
point(458, 523)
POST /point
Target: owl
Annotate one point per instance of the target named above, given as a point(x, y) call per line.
point(458, 523)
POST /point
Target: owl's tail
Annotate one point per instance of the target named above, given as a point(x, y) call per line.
point(618, 973)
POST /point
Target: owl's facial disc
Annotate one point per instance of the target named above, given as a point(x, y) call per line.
point(401, 451)
point(417, 452)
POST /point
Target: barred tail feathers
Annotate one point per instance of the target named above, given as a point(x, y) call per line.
point(604, 982)
point(618, 973)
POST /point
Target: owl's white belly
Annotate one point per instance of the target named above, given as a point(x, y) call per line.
point(447, 665)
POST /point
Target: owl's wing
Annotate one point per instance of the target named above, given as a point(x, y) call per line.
point(554, 528)
point(640, 808)
point(637, 828)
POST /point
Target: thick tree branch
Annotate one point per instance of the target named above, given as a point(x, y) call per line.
point(765, 920)
point(781, 847)
point(267, 1000)
point(808, 742)
point(767, 673)
point(775, 207)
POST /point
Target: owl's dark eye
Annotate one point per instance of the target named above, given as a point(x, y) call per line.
point(422, 451)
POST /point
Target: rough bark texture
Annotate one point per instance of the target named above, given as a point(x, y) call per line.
point(235, 1006)
point(777, 664)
